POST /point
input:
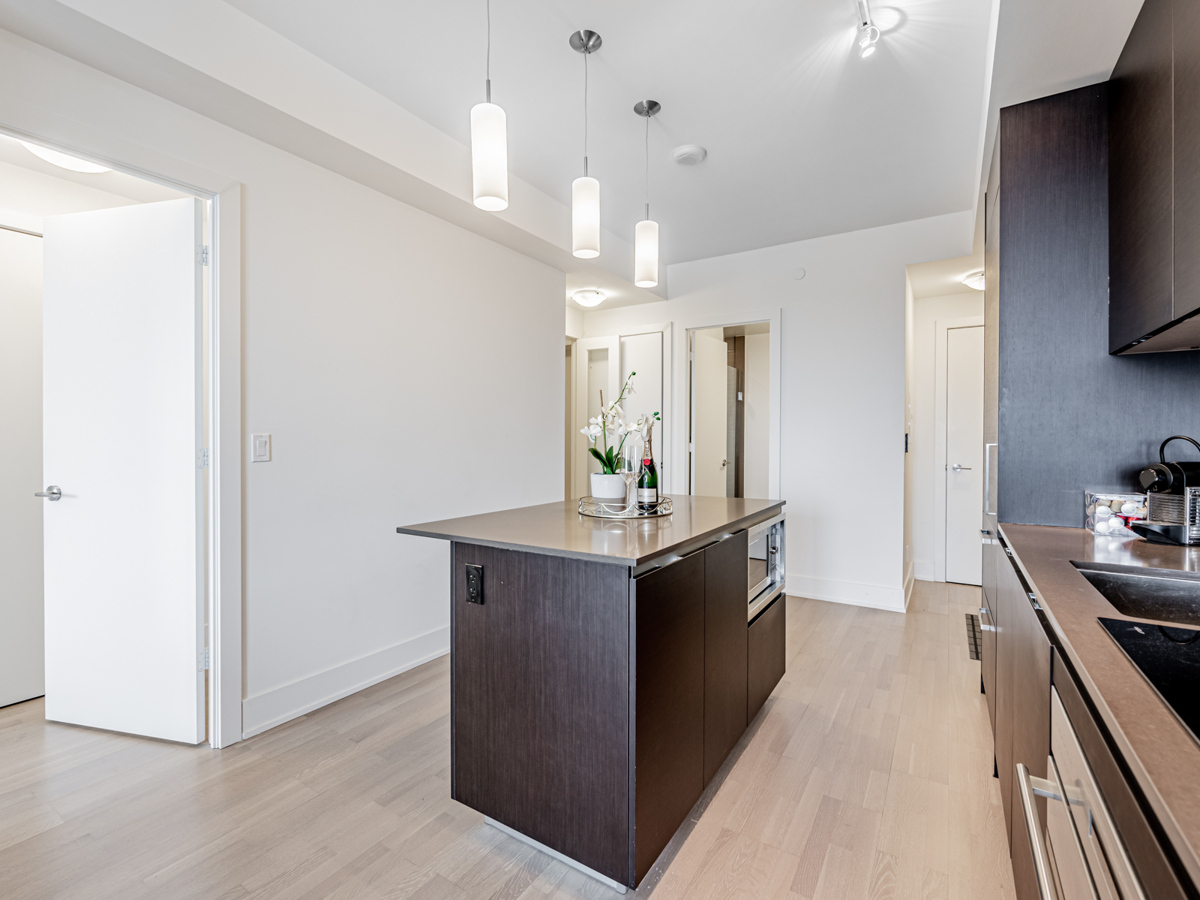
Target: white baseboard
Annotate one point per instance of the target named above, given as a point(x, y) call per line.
point(924, 570)
point(875, 596)
point(282, 704)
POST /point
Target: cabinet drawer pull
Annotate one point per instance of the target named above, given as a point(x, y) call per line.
point(1028, 786)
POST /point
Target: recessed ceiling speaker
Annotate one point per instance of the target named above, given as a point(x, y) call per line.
point(689, 154)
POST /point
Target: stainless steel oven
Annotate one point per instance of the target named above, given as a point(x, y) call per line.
point(765, 577)
point(1078, 855)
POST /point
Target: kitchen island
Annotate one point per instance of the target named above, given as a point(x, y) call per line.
point(603, 669)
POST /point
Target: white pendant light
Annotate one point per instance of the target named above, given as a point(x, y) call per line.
point(489, 144)
point(645, 254)
point(585, 191)
point(585, 217)
point(645, 233)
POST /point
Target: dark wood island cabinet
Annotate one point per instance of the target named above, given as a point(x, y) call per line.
point(602, 670)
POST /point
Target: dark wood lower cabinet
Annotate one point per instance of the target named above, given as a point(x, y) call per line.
point(539, 700)
point(589, 708)
point(1030, 685)
point(1008, 593)
point(767, 654)
point(724, 650)
point(668, 697)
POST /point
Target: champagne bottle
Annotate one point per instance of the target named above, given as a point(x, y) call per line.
point(647, 493)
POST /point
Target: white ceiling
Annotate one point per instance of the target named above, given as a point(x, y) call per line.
point(804, 138)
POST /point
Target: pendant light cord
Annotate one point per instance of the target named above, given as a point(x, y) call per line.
point(488, 81)
point(647, 167)
point(585, 112)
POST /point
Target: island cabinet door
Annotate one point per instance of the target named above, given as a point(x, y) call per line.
point(725, 673)
point(668, 704)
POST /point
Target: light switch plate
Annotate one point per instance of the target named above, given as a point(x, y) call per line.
point(260, 448)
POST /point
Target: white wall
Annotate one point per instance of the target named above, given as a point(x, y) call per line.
point(923, 441)
point(757, 407)
point(389, 354)
point(22, 661)
point(843, 352)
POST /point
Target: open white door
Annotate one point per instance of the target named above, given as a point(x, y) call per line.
point(122, 305)
point(22, 667)
point(710, 409)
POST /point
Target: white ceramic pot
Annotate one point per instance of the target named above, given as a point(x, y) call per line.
point(608, 487)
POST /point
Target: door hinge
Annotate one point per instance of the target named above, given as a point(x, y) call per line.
point(202, 458)
point(202, 255)
point(202, 662)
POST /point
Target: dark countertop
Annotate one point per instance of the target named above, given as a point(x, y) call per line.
point(557, 529)
point(1161, 754)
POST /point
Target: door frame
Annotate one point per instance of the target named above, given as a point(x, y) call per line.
point(222, 528)
point(942, 327)
point(679, 482)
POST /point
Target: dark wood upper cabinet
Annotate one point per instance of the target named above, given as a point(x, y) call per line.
point(1154, 182)
point(1140, 201)
point(1186, 32)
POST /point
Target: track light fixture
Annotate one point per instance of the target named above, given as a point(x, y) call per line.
point(868, 33)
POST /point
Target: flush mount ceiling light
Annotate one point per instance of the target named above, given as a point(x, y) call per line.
point(645, 233)
point(868, 33)
point(975, 281)
point(489, 143)
point(689, 154)
point(585, 191)
point(589, 297)
point(64, 161)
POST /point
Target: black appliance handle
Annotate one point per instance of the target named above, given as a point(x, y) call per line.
point(1162, 454)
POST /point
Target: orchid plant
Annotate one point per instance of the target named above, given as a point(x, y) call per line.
point(615, 431)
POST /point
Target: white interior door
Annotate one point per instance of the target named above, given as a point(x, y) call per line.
point(22, 664)
point(964, 453)
point(597, 368)
point(122, 303)
point(710, 360)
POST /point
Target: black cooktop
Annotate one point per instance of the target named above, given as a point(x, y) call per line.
point(1169, 658)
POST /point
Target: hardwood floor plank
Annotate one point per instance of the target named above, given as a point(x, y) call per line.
point(867, 775)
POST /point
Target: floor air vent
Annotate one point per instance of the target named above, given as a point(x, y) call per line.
point(974, 635)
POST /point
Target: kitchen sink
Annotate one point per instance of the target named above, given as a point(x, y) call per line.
point(1161, 594)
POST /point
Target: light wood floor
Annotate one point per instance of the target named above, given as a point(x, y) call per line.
point(868, 775)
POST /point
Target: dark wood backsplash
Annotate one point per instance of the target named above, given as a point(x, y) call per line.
point(1071, 417)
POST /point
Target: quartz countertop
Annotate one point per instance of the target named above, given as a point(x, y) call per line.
point(558, 529)
point(1160, 752)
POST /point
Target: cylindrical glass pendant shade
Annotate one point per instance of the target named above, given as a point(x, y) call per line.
point(489, 156)
point(585, 218)
point(645, 253)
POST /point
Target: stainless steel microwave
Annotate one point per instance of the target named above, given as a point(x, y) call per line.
point(765, 578)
